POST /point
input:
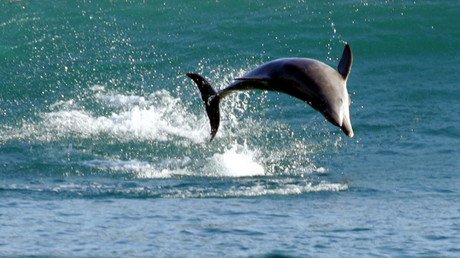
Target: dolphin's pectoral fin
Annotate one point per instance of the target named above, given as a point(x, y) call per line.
point(345, 63)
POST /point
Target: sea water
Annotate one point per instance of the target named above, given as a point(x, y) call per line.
point(104, 142)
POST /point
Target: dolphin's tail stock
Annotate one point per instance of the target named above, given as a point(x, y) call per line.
point(211, 101)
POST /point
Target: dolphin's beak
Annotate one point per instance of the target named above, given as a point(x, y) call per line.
point(340, 119)
point(346, 126)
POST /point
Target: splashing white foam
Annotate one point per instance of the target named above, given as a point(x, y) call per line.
point(236, 161)
point(157, 117)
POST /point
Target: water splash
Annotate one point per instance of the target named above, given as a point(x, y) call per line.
point(236, 161)
point(157, 136)
point(155, 117)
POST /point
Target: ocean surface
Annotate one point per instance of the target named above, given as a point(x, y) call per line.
point(104, 142)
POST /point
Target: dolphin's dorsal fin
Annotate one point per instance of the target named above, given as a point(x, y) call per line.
point(345, 63)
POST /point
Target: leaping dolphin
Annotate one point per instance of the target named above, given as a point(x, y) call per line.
point(312, 81)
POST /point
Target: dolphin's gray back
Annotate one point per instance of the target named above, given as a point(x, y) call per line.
point(298, 77)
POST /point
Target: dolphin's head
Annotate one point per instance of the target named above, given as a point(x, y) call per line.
point(344, 70)
point(338, 113)
point(338, 108)
point(344, 117)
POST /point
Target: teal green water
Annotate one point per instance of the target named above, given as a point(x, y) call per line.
point(104, 142)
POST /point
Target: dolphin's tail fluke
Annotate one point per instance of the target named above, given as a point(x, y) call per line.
point(211, 101)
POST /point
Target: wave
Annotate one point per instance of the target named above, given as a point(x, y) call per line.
point(186, 188)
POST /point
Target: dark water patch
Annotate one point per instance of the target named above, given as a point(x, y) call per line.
point(276, 254)
point(436, 238)
point(351, 230)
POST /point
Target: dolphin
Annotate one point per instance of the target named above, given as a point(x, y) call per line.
point(312, 81)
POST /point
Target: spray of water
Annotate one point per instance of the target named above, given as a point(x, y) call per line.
point(160, 136)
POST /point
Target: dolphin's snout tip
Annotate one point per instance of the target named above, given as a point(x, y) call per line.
point(351, 134)
point(346, 126)
point(348, 130)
